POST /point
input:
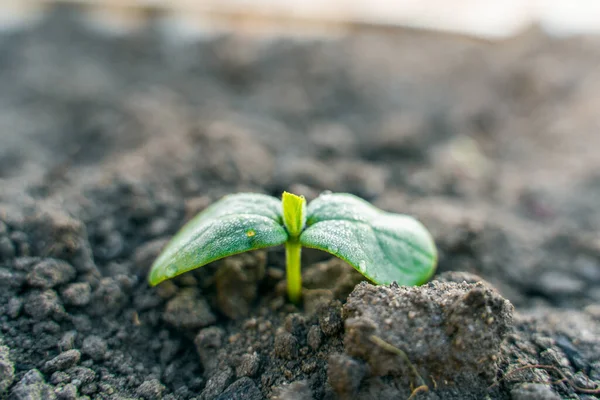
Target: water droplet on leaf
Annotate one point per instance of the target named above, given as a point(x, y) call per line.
point(362, 265)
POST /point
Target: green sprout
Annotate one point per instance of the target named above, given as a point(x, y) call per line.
point(382, 246)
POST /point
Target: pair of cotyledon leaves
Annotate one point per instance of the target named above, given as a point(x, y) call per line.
point(384, 247)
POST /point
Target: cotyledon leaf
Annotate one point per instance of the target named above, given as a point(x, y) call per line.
point(385, 247)
point(234, 224)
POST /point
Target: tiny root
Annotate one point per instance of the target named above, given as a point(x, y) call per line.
point(395, 350)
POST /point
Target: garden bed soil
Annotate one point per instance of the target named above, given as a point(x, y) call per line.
point(109, 144)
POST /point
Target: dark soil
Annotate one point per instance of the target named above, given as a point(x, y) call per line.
point(109, 144)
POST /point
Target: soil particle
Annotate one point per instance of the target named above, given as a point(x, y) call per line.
point(77, 294)
point(314, 337)
point(66, 392)
point(554, 356)
point(94, 347)
point(286, 346)
point(43, 304)
point(49, 273)
point(248, 365)
point(187, 310)
point(81, 376)
point(7, 370)
point(446, 329)
point(533, 391)
point(460, 277)
point(330, 318)
point(59, 378)
point(63, 361)
point(242, 389)
point(217, 384)
point(295, 324)
point(151, 389)
point(345, 375)
point(69, 239)
point(32, 387)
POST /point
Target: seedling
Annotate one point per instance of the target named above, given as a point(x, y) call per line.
point(382, 246)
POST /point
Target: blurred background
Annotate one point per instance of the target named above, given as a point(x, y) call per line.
point(483, 18)
point(480, 117)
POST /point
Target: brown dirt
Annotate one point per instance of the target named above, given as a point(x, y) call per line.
point(109, 144)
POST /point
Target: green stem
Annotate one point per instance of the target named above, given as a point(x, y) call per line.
point(293, 250)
